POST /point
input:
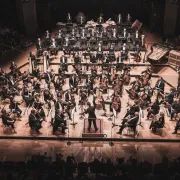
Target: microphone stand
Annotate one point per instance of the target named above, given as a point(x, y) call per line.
point(111, 143)
point(114, 117)
point(73, 123)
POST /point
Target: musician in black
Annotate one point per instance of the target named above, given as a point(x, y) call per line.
point(92, 116)
point(7, 121)
point(174, 109)
point(158, 124)
point(73, 82)
point(133, 109)
point(38, 106)
point(69, 19)
point(100, 20)
point(34, 121)
point(177, 127)
point(154, 110)
point(169, 98)
point(48, 78)
point(59, 105)
point(131, 122)
point(59, 122)
point(160, 84)
point(63, 63)
point(14, 106)
point(27, 95)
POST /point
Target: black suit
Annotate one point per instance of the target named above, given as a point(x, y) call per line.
point(63, 62)
point(48, 79)
point(7, 120)
point(91, 117)
point(59, 122)
point(34, 122)
point(132, 123)
point(157, 124)
point(73, 82)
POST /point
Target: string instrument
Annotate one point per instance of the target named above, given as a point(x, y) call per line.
point(98, 103)
point(133, 92)
point(116, 103)
point(104, 84)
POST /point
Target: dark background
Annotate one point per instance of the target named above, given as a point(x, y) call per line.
point(49, 12)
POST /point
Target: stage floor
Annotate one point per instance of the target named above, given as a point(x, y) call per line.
point(23, 130)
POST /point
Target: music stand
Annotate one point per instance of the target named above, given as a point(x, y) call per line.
point(73, 112)
point(114, 117)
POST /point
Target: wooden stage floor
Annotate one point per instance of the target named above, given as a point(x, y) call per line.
point(23, 130)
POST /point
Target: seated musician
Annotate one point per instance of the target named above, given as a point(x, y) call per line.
point(83, 96)
point(131, 122)
point(174, 109)
point(159, 86)
point(35, 121)
point(6, 93)
point(36, 85)
point(7, 121)
point(63, 63)
point(147, 73)
point(116, 103)
point(67, 96)
point(27, 95)
point(49, 77)
point(177, 127)
point(73, 82)
point(134, 108)
point(48, 97)
point(158, 124)
point(169, 97)
point(134, 91)
point(59, 105)
point(154, 110)
point(38, 106)
point(14, 106)
point(59, 122)
point(98, 100)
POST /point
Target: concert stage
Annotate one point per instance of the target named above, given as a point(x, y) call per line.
point(74, 133)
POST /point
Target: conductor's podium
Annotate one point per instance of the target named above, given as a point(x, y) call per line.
point(92, 133)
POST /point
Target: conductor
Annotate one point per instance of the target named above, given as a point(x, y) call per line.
point(92, 117)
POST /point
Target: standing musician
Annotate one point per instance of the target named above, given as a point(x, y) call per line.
point(35, 120)
point(69, 19)
point(100, 20)
point(92, 116)
point(157, 124)
point(38, 106)
point(59, 122)
point(73, 82)
point(131, 122)
point(119, 19)
point(129, 19)
point(7, 120)
point(63, 63)
point(177, 127)
point(39, 46)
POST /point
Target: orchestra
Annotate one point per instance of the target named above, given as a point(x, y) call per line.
point(96, 74)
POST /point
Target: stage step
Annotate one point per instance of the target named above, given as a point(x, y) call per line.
point(92, 133)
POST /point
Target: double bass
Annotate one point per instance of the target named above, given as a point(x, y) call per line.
point(116, 103)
